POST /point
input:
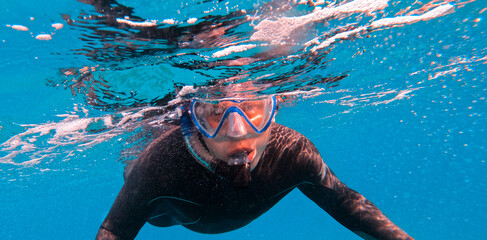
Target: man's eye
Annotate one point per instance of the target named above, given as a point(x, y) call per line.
point(251, 108)
point(216, 110)
point(247, 107)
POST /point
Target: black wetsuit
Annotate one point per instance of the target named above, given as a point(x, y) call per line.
point(167, 186)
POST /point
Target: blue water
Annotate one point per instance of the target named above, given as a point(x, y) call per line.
point(406, 128)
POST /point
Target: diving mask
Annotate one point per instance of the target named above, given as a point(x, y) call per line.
point(210, 116)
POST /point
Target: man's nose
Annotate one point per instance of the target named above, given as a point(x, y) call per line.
point(236, 126)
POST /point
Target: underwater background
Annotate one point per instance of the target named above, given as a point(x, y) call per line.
point(397, 108)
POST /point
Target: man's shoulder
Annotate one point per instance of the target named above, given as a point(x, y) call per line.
point(287, 142)
point(291, 150)
point(168, 138)
point(281, 134)
point(166, 135)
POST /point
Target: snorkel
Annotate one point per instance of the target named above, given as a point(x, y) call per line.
point(236, 170)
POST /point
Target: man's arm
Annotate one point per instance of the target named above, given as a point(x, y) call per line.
point(145, 179)
point(105, 234)
point(129, 212)
point(352, 209)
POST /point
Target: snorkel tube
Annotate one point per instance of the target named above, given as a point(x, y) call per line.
point(236, 170)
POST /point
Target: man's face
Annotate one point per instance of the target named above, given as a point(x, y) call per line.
point(236, 127)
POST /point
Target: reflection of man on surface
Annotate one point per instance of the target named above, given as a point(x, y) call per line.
point(226, 164)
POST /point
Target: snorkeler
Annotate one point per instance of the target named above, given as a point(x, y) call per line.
point(226, 163)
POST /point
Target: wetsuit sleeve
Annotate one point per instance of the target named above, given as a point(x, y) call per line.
point(345, 205)
point(126, 217)
point(130, 210)
point(145, 179)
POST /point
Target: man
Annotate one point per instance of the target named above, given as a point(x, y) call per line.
point(227, 164)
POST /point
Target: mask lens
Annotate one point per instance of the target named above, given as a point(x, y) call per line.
point(207, 115)
point(257, 111)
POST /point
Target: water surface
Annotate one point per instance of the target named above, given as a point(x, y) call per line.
point(392, 94)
